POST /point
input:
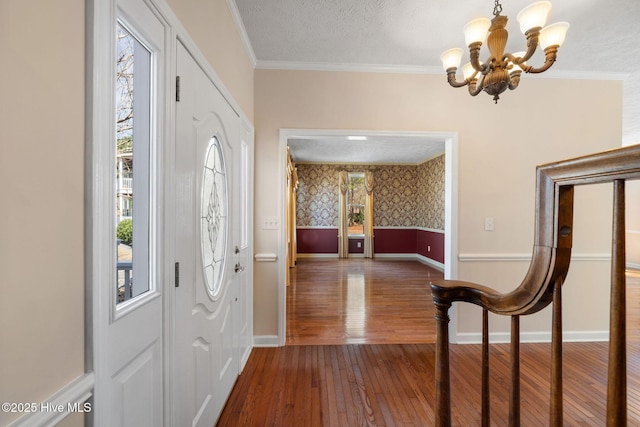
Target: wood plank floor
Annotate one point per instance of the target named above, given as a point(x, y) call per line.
point(359, 301)
point(381, 384)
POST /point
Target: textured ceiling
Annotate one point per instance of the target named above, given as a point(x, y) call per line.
point(410, 35)
point(389, 149)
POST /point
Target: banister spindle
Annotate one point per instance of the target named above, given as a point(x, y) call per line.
point(542, 285)
point(443, 388)
point(514, 398)
point(617, 381)
point(555, 410)
point(486, 412)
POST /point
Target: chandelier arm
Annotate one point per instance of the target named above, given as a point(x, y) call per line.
point(474, 58)
point(550, 55)
point(473, 89)
point(514, 79)
point(451, 78)
point(532, 43)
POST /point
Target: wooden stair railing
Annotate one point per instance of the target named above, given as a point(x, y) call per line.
point(542, 285)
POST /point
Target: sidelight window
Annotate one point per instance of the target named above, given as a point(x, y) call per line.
point(132, 153)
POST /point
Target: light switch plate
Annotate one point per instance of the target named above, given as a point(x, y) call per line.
point(270, 223)
point(488, 224)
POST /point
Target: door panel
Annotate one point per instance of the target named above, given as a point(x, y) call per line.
point(136, 390)
point(128, 359)
point(244, 249)
point(207, 300)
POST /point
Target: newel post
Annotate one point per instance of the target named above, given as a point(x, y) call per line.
point(443, 388)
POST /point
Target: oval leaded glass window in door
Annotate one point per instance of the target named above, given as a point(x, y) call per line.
point(213, 228)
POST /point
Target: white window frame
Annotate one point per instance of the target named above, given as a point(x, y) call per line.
point(145, 180)
point(359, 235)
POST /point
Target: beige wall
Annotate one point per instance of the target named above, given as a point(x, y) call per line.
point(499, 146)
point(42, 167)
point(633, 223)
point(210, 24)
point(41, 219)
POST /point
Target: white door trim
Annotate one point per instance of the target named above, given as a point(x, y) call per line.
point(101, 16)
point(451, 206)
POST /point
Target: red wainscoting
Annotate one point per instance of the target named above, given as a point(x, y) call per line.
point(317, 240)
point(394, 240)
point(386, 241)
point(426, 239)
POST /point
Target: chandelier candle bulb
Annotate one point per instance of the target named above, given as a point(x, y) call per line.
point(451, 58)
point(553, 35)
point(468, 71)
point(476, 31)
point(502, 70)
point(533, 16)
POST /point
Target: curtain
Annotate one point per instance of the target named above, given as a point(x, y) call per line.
point(343, 233)
point(292, 179)
point(368, 215)
point(294, 208)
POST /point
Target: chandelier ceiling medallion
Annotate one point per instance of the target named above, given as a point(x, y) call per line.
point(502, 70)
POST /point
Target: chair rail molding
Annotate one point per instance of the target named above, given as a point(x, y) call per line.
point(500, 257)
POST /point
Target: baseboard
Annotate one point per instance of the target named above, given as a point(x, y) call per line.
point(413, 257)
point(71, 398)
point(399, 257)
point(431, 262)
point(318, 256)
point(633, 266)
point(533, 337)
point(266, 341)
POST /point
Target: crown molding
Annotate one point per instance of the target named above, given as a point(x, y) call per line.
point(362, 68)
point(416, 69)
point(235, 13)
point(582, 75)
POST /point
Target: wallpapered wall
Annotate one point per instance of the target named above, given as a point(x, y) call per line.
point(404, 196)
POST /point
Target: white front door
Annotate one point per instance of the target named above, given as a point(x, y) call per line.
point(209, 305)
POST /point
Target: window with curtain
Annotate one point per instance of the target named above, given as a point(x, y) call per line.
point(356, 194)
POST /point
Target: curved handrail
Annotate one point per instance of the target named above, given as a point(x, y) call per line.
point(553, 233)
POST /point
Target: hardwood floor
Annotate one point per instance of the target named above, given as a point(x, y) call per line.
point(360, 301)
point(340, 383)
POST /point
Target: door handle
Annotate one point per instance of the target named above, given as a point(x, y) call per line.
point(237, 250)
point(238, 267)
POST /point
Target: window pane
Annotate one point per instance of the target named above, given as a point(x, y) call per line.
point(213, 217)
point(133, 71)
point(356, 194)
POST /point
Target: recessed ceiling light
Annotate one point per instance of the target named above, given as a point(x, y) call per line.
point(356, 138)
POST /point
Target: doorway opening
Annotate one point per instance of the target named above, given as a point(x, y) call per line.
point(361, 147)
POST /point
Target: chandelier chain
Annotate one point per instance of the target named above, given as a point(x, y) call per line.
point(497, 8)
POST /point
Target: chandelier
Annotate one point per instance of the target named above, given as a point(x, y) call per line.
point(502, 70)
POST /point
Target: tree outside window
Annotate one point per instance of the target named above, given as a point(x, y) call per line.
point(356, 195)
